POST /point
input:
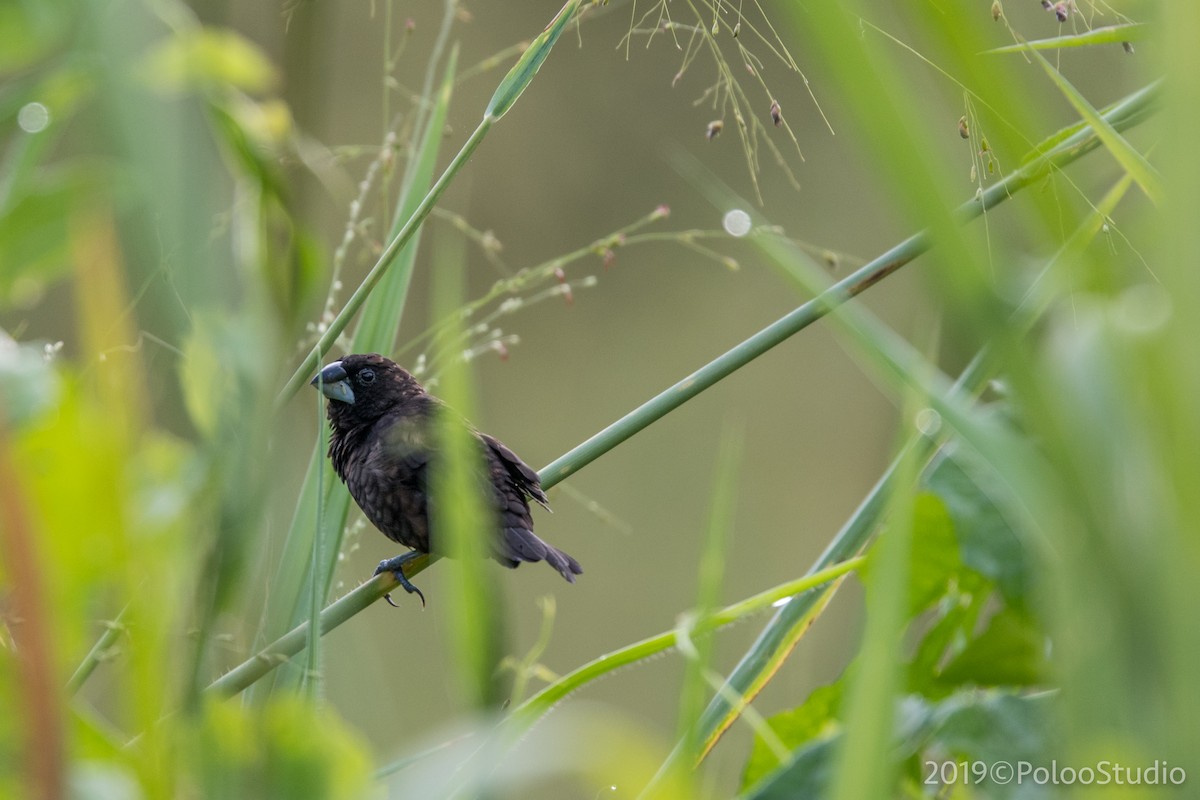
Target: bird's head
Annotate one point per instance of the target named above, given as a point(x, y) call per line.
point(362, 388)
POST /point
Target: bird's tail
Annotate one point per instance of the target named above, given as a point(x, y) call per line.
point(521, 544)
point(566, 566)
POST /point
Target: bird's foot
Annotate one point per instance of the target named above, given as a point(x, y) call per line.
point(396, 567)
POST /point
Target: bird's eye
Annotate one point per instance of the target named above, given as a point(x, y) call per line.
point(366, 376)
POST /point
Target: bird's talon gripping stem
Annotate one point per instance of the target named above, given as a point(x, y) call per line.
point(396, 567)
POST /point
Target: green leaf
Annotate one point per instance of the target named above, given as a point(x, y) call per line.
point(1011, 652)
point(520, 76)
point(935, 554)
point(993, 726)
point(36, 228)
point(815, 719)
point(30, 31)
point(210, 57)
point(288, 749)
point(806, 775)
point(970, 725)
point(988, 542)
point(950, 633)
point(1112, 34)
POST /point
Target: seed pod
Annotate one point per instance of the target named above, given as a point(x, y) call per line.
point(1128, 47)
point(776, 113)
point(963, 130)
point(997, 11)
point(714, 129)
point(1061, 11)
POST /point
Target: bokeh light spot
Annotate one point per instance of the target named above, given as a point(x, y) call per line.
point(33, 117)
point(736, 222)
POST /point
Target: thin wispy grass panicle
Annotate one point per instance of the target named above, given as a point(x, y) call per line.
point(507, 93)
point(753, 118)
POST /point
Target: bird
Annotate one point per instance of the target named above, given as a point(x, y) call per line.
point(382, 443)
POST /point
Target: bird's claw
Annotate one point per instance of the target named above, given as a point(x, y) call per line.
point(396, 567)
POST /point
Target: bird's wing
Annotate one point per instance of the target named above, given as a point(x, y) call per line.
point(523, 476)
point(394, 490)
point(403, 442)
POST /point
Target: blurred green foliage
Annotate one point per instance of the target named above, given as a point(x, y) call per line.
point(166, 208)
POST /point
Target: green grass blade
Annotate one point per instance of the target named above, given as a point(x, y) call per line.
point(1127, 156)
point(708, 585)
point(289, 600)
point(311, 678)
point(476, 624)
point(870, 700)
point(519, 77)
point(1111, 34)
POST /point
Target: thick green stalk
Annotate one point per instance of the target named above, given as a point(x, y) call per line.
point(1120, 116)
point(291, 643)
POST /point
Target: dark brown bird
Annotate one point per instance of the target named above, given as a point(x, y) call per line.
point(382, 444)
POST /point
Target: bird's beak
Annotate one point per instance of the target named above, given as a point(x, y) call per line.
point(333, 383)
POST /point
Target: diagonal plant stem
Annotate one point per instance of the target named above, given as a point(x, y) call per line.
point(1121, 116)
point(292, 642)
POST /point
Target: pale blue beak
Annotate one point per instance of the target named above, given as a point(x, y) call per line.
point(334, 383)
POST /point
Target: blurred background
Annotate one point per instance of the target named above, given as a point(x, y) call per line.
point(172, 228)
